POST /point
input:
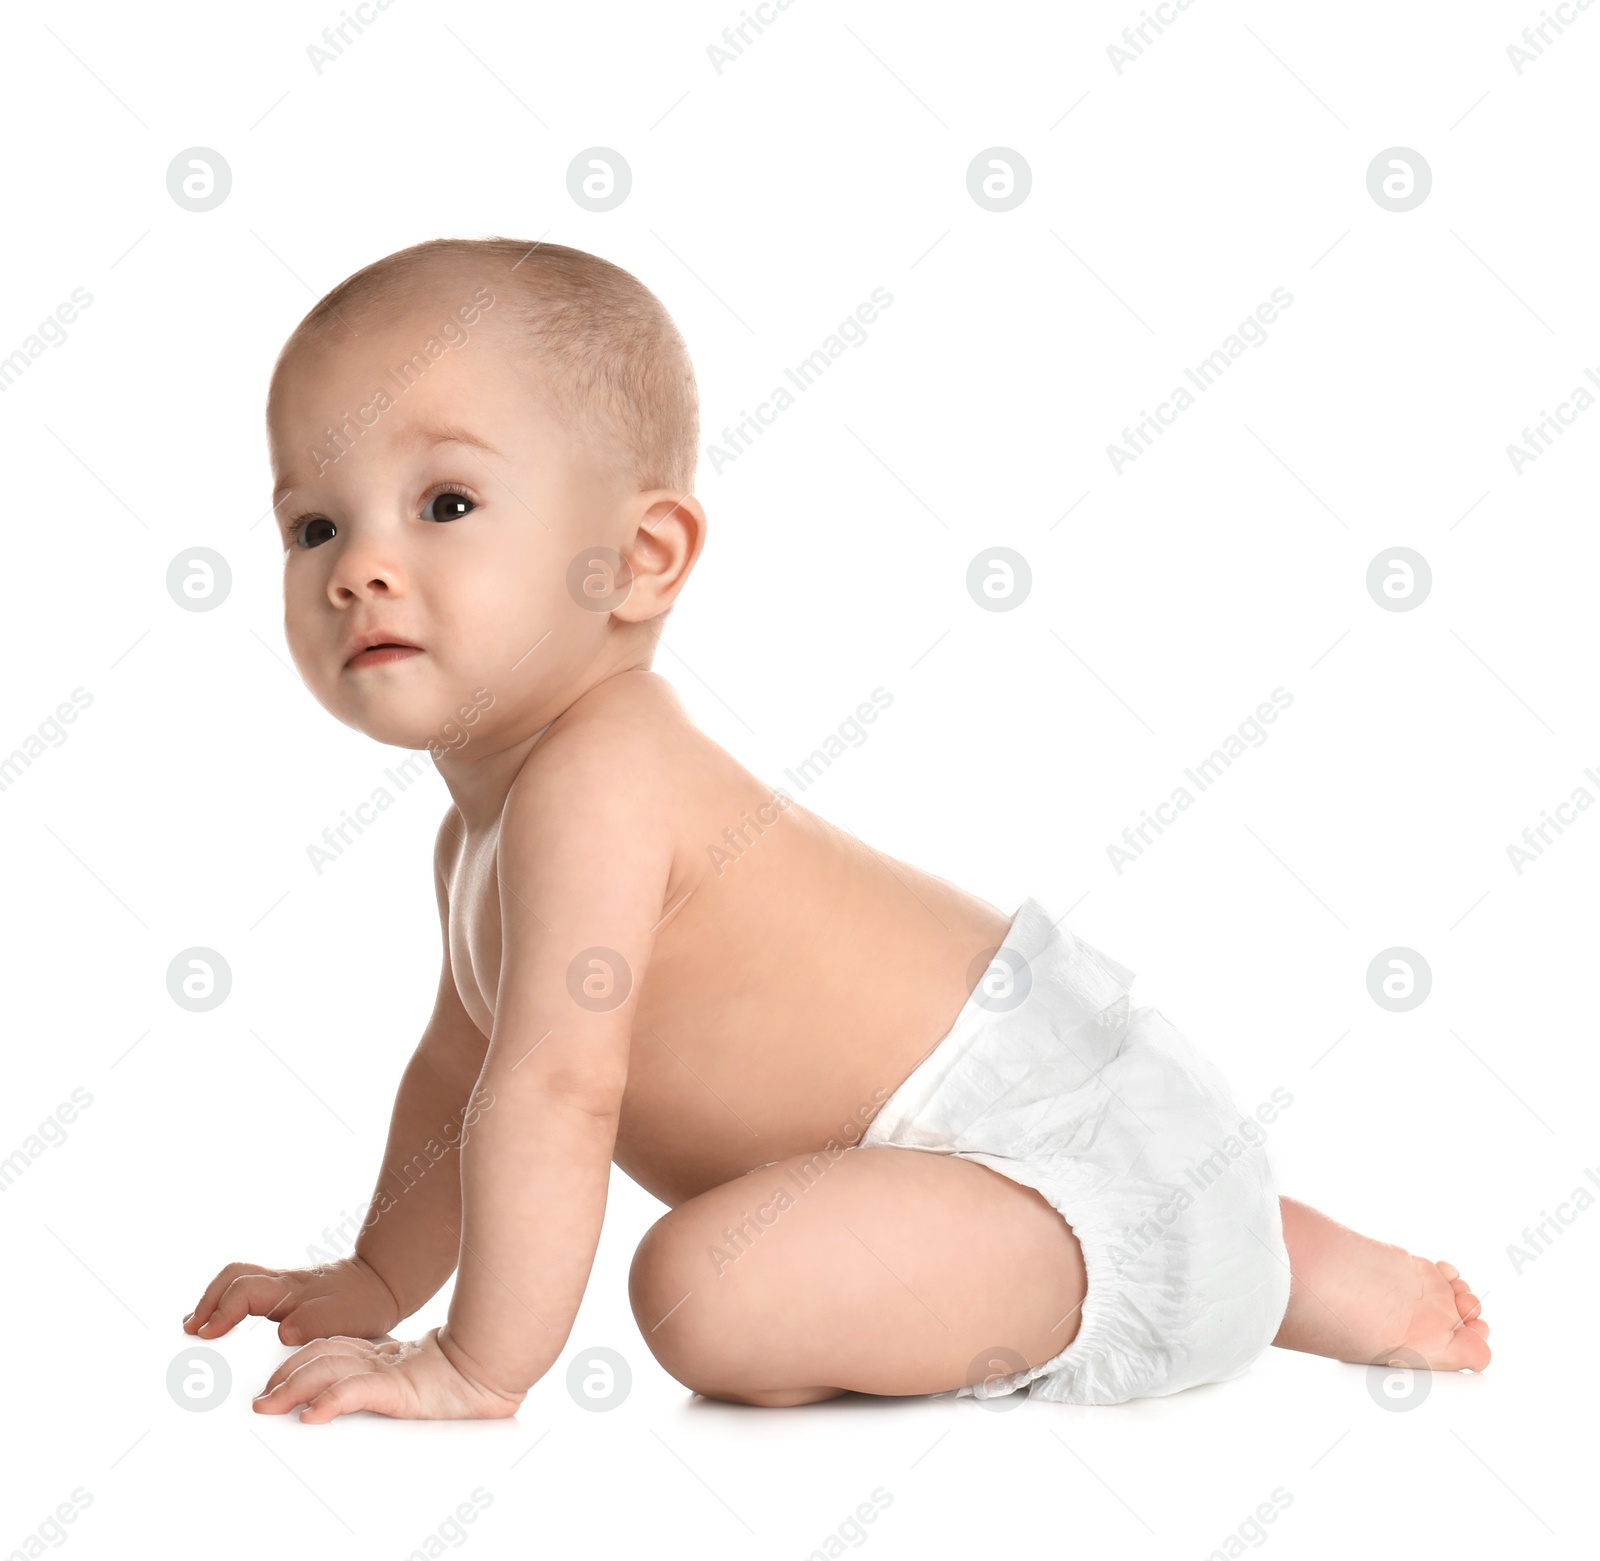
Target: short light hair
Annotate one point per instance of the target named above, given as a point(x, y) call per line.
point(610, 354)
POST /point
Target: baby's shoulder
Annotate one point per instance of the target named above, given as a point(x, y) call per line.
point(616, 770)
point(628, 736)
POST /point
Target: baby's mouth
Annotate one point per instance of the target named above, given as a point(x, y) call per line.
point(378, 655)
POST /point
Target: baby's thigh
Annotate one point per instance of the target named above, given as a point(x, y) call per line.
point(887, 1271)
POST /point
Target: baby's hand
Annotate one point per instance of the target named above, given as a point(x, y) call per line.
point(410, 1381)
point(307, 1303)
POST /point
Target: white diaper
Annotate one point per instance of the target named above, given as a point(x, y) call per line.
point(1048, 1078)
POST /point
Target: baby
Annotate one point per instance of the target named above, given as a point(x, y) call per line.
point(908, 1144)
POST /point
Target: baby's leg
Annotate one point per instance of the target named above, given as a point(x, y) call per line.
point(887, 1271)
point(1362, 1300)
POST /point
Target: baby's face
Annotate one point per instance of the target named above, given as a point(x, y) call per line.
point(446, 516)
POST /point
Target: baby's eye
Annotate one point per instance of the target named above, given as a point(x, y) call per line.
point(448, 506)
point(308, 531)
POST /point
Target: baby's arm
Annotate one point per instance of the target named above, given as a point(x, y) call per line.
point(407, 1247)
point(584, 864)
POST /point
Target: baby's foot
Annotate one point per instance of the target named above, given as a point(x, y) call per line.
point(1445, 1328)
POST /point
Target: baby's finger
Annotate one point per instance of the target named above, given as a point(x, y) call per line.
point(379, 1391)
point(305, 1382)
point(250, 1295)
point(213, 1293)
point(317, 1348)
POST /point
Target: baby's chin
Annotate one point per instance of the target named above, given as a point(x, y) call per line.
point(393, 730)
point(406, 711)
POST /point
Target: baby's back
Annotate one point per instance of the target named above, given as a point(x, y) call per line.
point(800, 979)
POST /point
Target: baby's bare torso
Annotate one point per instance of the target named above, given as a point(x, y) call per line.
point(800, 979)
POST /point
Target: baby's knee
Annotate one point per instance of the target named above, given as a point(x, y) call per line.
point(680, 1308)
point(658, 1261)
point(661, 1287)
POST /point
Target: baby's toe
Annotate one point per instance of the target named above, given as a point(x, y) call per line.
point(1449, 1270)
point(1469, 1348)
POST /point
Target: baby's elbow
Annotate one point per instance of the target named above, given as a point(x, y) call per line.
point(594, 1089)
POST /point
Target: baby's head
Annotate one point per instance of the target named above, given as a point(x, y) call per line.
point(485, 449)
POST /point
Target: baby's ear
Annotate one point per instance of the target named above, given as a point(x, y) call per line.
point(669, 531)
point(659, 508)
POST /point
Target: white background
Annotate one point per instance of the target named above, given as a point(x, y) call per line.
point(1167, 602)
